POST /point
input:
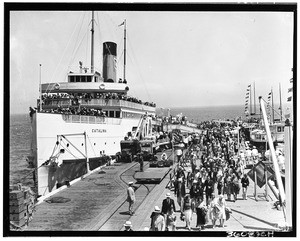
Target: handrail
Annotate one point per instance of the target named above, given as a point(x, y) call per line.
point(99, 102)
point(90, 119)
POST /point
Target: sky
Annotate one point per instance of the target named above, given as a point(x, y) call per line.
point(175, 59)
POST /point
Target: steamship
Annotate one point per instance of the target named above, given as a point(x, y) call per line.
point(78, 121)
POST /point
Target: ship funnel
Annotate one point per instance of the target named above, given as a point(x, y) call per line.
point(109, 61)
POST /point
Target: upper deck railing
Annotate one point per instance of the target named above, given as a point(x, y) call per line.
point(91, 119)
point(97, 103)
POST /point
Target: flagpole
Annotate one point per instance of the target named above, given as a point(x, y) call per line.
point(280, 102)
point(272, 105)
point(250, 102)
point(254, 99)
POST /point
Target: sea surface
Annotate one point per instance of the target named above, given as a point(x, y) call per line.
point(19, 139)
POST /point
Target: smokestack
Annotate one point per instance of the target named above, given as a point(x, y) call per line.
point(109, 61)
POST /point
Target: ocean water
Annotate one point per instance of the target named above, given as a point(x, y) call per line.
point(19, 146)
point(198, 114)
point(19, 149)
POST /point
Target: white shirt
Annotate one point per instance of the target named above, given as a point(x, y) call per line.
point(255, 152)
point(178, 152)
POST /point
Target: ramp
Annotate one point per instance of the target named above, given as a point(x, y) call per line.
point(152, 175)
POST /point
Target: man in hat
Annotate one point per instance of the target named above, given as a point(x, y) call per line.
point(254, 154)
point(130, 197)
point(248, 154)
point(128, 226)
point(167, 204)
point(179, 154)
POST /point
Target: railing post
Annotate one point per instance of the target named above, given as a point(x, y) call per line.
point(255, 184)
point(266, 185)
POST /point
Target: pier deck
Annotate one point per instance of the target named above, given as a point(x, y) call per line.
point(98, 204)
point(91, 198)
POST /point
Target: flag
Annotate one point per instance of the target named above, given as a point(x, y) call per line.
point(249, 86)
point(247, 93)
point(290, 89)
point(121, 24)
point(289, 98)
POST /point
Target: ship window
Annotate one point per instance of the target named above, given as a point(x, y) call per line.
point(279, 129)
point(77, 78)
point(72, 79)
point(111, 113)
point(117, 114)
point(89, 79)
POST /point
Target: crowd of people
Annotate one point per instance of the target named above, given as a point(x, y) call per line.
point(76, 111)
point(77, 98)
point(209, 174)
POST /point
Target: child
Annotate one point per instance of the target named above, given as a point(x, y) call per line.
point(171, 220)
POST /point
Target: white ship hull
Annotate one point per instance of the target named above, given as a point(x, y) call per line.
point(103, 135)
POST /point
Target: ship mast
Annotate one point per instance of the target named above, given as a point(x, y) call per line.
point(40, 89)
point(124, 73)
point(92, 44)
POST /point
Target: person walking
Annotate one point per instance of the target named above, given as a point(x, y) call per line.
point(235, 186)
point(179, 154)
point(209, 188)
point(157, 220)
point(167, 204)
point(254, 154)
point(245, 184)
point(218, 210)
point(194, 192)
point(130, 197)
point(179, 190)
point(187, 210)
point(201, 211)
point(171, 220)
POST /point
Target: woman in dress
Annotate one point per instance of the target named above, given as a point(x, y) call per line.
point(218, 210)
point(201, 211)
point(187, 210)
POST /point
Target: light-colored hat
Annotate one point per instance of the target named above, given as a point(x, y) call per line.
point(179, 179)
point(168, 195)
point(146, 229)
point(156, 209)
point(127, 224)
point(195, 181)
point(130, 183)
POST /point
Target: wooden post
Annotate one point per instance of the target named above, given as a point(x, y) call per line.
point(86, 155)
point(266, 185)
point(255, 184)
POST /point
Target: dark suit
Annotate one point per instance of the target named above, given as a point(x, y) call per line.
point(167, 204)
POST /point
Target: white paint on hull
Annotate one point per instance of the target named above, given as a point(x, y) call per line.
point(101, 137)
